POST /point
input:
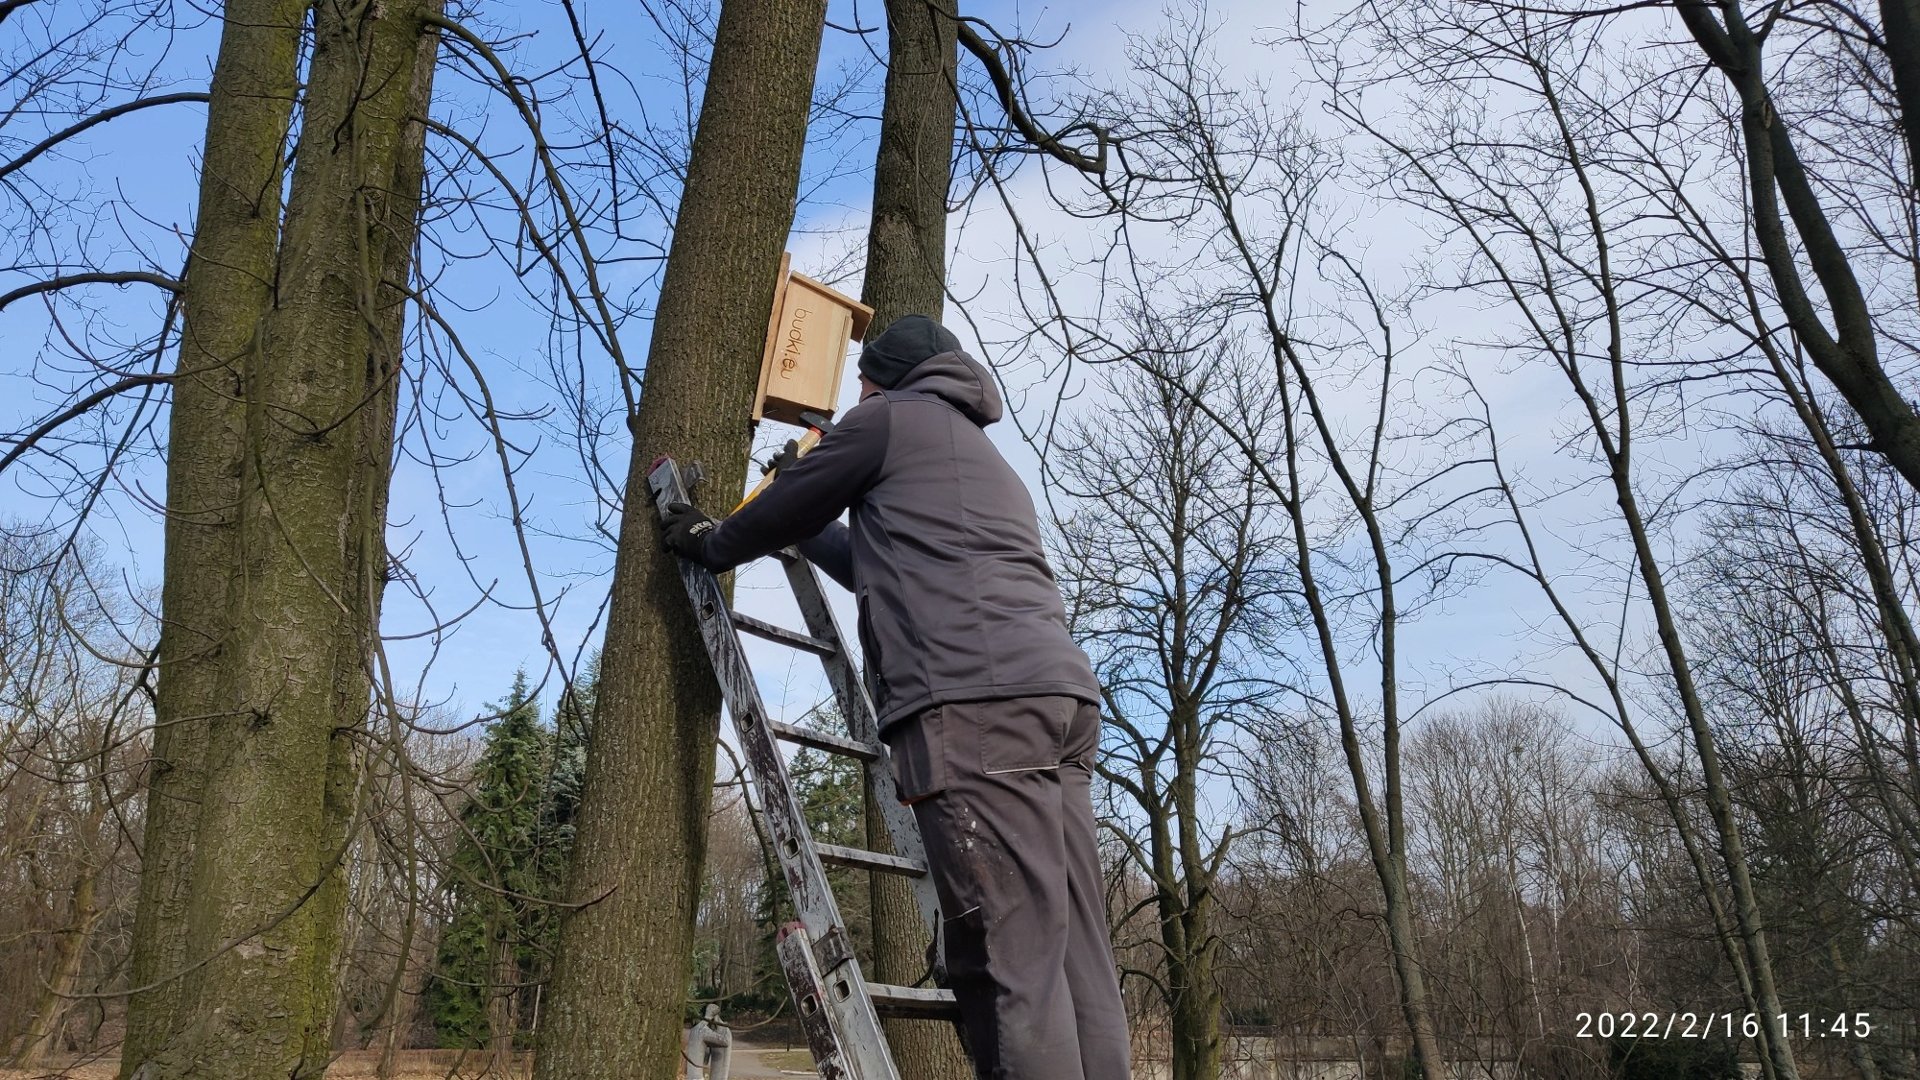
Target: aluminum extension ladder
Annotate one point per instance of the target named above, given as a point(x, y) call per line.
point(838, 1008)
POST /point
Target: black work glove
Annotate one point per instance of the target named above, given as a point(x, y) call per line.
point(783, 459)
point(685, 532)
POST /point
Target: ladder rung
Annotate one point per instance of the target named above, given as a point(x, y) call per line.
point(869, 860)
point(820, 740)
point(912, 1002)
point(780, 635)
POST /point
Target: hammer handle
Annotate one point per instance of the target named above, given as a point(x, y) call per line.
point(806, 443)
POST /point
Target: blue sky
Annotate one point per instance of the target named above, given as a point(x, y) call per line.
point(124, 199)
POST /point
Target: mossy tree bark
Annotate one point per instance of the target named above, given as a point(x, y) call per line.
point(392, 213)
point(907, 237)
point(228, 287)
point(619, 986)
point(281, 777)
point(906, 275)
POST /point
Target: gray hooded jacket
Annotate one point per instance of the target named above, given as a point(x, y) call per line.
point(957, 602)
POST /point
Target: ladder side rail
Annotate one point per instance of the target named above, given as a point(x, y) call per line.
point(851, 693)
point(817, 1023)
point(846, 994)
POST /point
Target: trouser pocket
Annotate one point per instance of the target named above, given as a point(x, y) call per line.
point(917, 748)
point(1017, 734)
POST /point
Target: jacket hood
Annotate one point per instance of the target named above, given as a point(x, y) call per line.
point(960, 381)
point(888, 357)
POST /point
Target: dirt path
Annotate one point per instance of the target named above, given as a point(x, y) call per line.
point(770, 1062)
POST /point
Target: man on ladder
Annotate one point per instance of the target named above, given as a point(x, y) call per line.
point(988, 707)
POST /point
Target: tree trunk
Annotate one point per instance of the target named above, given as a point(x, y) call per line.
point(505, 975)
point(1195, 995)
point(69, 951)
point(1386, 839)
point(907, 237)
point(1900, 30)
point(365, 520)
point(1415, 1004)
point(1859, 1053)
point(1195, 1014)
point(906, 274)
point(620, 980)
point(1747, 917)
point(400, 1018)
point(282, 777)
point(228, 282)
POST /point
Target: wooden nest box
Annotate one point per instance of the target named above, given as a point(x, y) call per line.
point(806, 350)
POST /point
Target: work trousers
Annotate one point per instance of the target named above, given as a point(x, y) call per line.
point(1002, 792)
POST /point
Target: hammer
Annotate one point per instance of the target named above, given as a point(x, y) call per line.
point(817, 425)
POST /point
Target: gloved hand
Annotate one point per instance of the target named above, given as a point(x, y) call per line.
point(685, 532)
point(783, 459)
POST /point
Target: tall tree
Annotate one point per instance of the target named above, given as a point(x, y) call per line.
point(1175, 568)
point(620, 978)
point(907, 274)
point(1205, 159)
point(319, 382)
point(229, 284)
point(1568, 268)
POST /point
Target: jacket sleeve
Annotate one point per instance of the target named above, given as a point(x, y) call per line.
point(832, 551)
point(809, 494)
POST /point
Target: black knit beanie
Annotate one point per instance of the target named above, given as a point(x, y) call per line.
point(901, 346)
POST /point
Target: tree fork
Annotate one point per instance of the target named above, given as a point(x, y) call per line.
point(281, 780)
point(228, 281)
point(1778, 180)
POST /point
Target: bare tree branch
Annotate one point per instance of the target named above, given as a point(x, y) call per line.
point(103, 277)
point(988, 53)
point(95, 120)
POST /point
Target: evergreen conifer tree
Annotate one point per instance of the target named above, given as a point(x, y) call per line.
point(559, 806)
point(495, 883)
